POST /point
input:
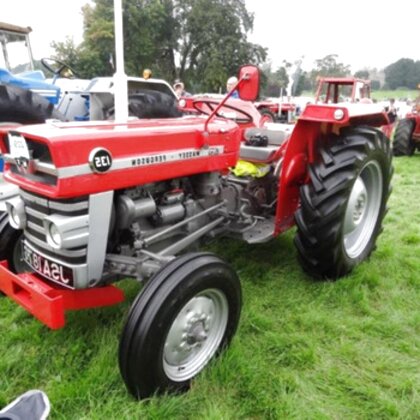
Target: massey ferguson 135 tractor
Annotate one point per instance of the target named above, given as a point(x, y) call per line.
point(101, 201)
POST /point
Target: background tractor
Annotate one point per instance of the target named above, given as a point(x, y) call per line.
point(277, 110)
point(407, 132)
point(342, 89)
point(28, 97)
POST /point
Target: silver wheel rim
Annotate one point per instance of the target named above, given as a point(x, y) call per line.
point(195, 335)
point(363, 209)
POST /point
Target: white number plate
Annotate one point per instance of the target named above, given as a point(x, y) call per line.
point(18, 146)
point(51, 270)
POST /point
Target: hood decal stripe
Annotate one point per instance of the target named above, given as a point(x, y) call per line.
point(142, 160)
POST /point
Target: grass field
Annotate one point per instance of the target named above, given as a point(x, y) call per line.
point(304, 349)
point(383, 95)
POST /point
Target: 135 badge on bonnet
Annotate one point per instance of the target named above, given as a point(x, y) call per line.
point(100, 160)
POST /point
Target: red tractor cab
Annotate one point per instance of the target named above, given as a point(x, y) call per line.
point(342, 89)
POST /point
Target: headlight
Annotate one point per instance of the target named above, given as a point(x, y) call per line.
point(66, 232)
point(54, 235)
point(338, 114)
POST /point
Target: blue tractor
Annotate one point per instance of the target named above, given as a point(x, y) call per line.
point(17, 75)
point(25, 96)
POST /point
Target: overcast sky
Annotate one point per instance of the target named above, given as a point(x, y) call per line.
point(363, 33)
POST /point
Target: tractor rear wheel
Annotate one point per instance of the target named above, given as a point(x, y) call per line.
point(267, 116)
point(186, 315)
point(343, 206)
point(403, 144)
point(25, 107)
point(148, 103)
point(152, 104)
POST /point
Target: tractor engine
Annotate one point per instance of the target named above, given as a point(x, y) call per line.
point(155, 221)
point(152, 223)
point(98, 239)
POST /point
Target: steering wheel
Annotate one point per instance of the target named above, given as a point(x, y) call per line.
point(207, 105)
point(58, 68)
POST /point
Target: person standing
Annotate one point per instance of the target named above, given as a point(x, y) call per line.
point(230, 84)
point(392, 111)
point(179, 88)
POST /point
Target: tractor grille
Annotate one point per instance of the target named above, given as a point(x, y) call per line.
point(38, 207)
point(44, 170)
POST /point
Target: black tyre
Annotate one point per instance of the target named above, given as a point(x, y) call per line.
point(186, 314)
point(25, 107)
point(343, 206)
point(403, 144)
point(267, 115)
point(10, 245)
point(150, 104)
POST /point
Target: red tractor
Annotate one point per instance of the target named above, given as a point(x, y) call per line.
point(407, 132)
point(276, 111)
point(270, 111)
point(340, 89)
point(101, 201)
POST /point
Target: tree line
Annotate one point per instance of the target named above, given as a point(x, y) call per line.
point(202, 42)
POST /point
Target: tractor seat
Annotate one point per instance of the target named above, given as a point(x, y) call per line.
point(261, 144)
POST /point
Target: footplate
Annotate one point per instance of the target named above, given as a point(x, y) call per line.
point(47, 302)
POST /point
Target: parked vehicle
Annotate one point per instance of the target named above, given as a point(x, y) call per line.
point(277, 110)
point(407, 132)
point(351, 90)
point(342, 89)
point(101, 201)
point(270, 110)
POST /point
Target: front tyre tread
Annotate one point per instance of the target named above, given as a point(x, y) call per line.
point(142, 352)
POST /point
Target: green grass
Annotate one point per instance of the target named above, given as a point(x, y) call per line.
point(383, 95)
point(304, 349)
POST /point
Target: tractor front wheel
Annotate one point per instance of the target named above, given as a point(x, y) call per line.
point(185, 316)
point(403, 144)
point(343, 206)
point(11, 246)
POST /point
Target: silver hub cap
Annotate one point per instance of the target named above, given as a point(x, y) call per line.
point(195, 335)
point(363, 209)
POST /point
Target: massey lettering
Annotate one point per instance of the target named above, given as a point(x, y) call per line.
point(148, 160)
point(188, 155)
point(175, 156)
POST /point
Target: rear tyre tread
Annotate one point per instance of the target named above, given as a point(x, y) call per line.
point(323, 202)
point(403, 144)
point(25, 107)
